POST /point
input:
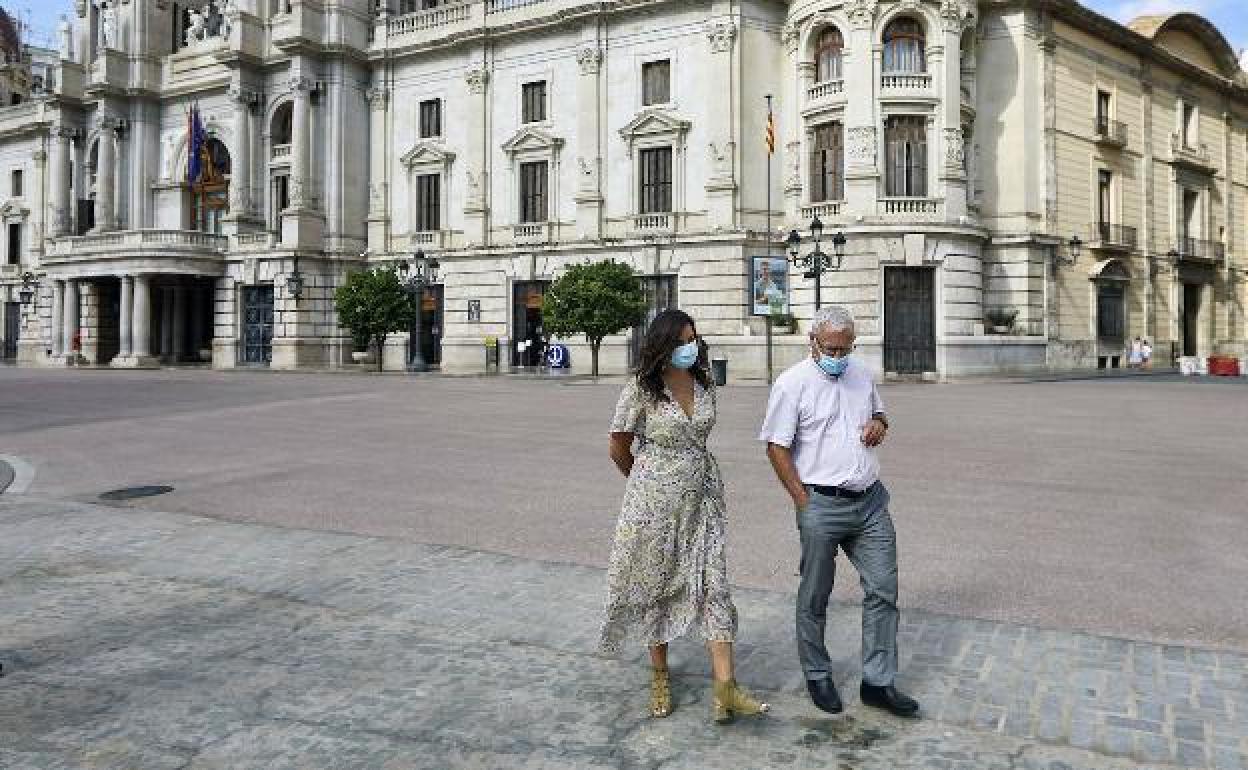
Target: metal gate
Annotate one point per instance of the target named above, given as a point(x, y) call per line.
point(257, 325)
point(12, 327)
point(909, 320)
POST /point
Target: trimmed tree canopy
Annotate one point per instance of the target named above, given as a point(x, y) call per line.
point(596, 300)
point(372, 305)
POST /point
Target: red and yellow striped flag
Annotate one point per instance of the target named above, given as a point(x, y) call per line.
point(771, 133)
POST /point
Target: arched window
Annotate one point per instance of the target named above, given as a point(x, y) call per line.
point(282, 129)
point(210, 191)
point(904, 47)
point(828, 55)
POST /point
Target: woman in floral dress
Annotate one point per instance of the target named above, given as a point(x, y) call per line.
point(668, 572)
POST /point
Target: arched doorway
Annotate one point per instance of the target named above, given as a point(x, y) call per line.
point(1110, 279)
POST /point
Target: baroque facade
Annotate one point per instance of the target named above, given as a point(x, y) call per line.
point(1020, 184)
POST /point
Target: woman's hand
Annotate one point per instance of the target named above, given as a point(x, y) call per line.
point(621, 451)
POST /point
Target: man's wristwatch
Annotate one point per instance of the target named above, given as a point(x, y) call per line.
point(880, 416)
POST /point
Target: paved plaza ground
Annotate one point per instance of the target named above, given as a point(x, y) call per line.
point(381, 571)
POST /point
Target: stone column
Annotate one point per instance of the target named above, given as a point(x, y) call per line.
point(862, 140)
point(301, 152)
point(178, 348)
point(948, 75)
point(589, 136)
point(71, 317)
point(476, 156)
point(378, 173)
point(241, 171)
point(721, 183)
point(105, 186)
point(58, 319)
point(59, 211)
point(141, 327)
point(127, 313)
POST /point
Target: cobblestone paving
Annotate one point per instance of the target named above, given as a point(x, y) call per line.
point(135, 639)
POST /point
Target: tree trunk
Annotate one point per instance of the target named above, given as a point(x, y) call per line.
point(594, 346)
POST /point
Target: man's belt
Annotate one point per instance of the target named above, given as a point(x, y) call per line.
point(852, 494)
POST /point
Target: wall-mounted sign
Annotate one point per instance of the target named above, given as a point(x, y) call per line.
point(769, 286)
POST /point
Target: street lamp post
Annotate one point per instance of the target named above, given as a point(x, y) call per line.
point(421, 272)
point(27, 293)
point(816, 263)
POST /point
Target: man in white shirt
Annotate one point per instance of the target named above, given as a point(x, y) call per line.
point(824, 420)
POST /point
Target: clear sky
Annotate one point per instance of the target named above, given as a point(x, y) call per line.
point(1228, 15)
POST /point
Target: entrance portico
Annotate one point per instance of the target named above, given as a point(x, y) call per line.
point(114, 304)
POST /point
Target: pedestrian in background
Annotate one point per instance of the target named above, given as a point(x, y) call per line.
point(1146, 355)
point(824, 421)
point(668, 574)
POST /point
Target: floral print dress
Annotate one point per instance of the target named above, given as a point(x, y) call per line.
point(667, 571)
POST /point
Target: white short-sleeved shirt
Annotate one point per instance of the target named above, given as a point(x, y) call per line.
point(821, 418)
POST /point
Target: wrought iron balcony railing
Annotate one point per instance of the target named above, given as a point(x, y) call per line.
point(1113, 132)
point(1111, 236)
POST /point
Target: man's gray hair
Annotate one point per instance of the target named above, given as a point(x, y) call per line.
point(833, 318)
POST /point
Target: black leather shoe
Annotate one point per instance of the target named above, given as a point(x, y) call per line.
point(889, 699)
point(823, 693)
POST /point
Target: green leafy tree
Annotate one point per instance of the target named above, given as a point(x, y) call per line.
point(372, 305)
point(597, 300)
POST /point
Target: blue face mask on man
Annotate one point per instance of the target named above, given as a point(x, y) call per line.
point(685, 356)
point(833, 365)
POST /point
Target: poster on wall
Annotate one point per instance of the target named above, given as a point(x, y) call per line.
point(769, 286)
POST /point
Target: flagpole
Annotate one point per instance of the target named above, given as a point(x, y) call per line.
point(767, 318)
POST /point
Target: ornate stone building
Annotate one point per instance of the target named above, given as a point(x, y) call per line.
point(1019, 184)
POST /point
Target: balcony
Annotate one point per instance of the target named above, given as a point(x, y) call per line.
point(824, 210)
point(653, 224)
point(907, 81)
point(1198, 158)
point(136, 244)
point(261, 240)
point(499, 6)
point(531, 232)
point(281, 153)
point(1110, 237)
point(828, 90)
point(921, 209)
point(420, 21)
point(427, 239)
point(1111, 133)
point(1197, 250)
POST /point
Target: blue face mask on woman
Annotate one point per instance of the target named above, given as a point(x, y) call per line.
point(685, 356)
point(833, 365)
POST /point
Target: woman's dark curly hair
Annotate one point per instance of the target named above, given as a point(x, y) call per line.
point(663, 337)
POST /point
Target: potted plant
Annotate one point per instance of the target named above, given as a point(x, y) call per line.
point(1001, 319)
point(784, 323)
point(372, 305)
point(359, 349)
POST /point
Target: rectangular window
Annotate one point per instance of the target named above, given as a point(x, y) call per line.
point(1191, 217)
point(533, 97)
point(656, 181)
point(827, 164)
point(1104, 203)
point(1103, 104)
point(281, 201)
point(905, 140)
point(14, 256)
point(1190, 135)
point(17, 183)
point(430, 118)
point(656, 82)
point(533, 180)
point(428, 202)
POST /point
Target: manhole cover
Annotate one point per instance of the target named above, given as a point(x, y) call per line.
point(130, 493)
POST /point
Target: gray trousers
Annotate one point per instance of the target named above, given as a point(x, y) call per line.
point(864, 530)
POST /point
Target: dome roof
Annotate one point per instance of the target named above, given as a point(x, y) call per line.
point(10, 39)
